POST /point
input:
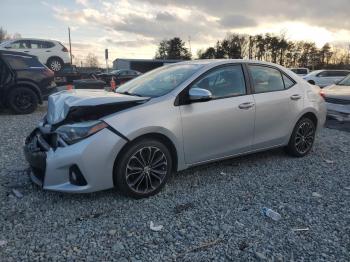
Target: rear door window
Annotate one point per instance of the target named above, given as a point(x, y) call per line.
point(20, 44)
point(18, 62)
point(38, 44)
point(340, 73)
point(288, 83)
point(324, 74)
point(266, 79)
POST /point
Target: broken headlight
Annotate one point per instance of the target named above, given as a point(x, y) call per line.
point(73, 133)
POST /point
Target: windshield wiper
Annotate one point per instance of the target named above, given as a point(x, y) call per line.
point(129, 94)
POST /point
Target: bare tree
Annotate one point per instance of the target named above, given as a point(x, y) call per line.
point(91, 60)
point(3, 35)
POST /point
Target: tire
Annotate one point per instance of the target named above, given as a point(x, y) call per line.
point(23, 100)
point(302, 138)
point(134, 176)
point(55, 64)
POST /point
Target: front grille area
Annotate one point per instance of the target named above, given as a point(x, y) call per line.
point(39, 174)
point(35, 153)
point(337, 101)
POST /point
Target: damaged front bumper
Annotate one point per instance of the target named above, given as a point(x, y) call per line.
point(86, 166)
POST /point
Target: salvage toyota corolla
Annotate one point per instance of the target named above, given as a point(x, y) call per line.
point(169, 119)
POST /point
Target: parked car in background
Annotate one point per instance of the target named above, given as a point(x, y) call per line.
point(24, 82)
point(49, 52)
point(324, 78)
point(85, 84)
point(300, 71)
point(67, 75)
point(337, 99)
point(120, 76)
point(170, 119)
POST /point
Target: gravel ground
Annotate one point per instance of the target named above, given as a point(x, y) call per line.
point(208, 213)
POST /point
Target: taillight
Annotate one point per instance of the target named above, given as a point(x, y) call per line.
point(322, 94)
point(64, 49)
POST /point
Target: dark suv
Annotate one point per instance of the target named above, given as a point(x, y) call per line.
point(24, 82)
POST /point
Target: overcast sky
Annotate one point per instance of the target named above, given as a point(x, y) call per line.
point(132, 28)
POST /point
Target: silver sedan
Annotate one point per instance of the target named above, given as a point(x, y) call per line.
point(170, 119)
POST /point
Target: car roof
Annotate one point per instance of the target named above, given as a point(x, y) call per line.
point(39, 39)
point(216, 62)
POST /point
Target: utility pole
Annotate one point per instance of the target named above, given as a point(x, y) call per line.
point(70, 47)
point(106, 58)
point(189, 43)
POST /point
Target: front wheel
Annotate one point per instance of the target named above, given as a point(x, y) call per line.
point(302, 138)
point(143, 169)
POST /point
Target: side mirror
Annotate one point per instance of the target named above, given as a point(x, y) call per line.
point(199, 95)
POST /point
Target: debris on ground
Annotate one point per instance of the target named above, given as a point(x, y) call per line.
point(112, 232)
point(243, 245)
point(154, 227)
point(300, 229)
point(17, 193)
point(222, 173)
point(260, 256)
point(315, 194)
point(183, 207)
point(3, 243)
point(240, 224)
point(329, 161)
point(270, 213)
point(202, 246)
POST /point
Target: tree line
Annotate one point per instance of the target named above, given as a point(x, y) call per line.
point(5, 36)
point(267, 47)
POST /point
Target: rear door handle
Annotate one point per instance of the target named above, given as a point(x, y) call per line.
point(246, 105)
point(295, 97)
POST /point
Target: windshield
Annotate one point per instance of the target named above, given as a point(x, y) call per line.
point(159, 81)
point(345, 81)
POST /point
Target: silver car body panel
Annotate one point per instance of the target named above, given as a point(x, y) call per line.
point(200, 132)
point(94, 157)
point(338, 102)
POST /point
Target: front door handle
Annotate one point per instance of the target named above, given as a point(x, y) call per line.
point(246, 105)
point(295, 97)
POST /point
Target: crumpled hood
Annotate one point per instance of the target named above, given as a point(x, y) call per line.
point(81, 105)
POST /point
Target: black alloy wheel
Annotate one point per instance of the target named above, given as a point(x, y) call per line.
point(303, 137)
point(143, 169)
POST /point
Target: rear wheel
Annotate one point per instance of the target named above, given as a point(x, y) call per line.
point(23, 100)
point(55, 64)
point(143, 168)
point(302, 138)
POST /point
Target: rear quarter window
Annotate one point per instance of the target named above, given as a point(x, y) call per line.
point(18, 62)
